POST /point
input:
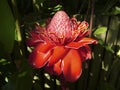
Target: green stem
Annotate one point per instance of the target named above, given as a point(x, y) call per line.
point(20, 34)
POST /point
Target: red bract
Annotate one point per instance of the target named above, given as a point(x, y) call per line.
point(61, 46)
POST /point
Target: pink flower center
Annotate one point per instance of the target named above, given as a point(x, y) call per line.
point(60, 28)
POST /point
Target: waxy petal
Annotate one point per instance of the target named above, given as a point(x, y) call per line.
point(39, 59)
point(72, 66)
point(58, 53)
point(40, 55)
point(55, 69)
point(33, 42)
point(44, 47)
point(82, 35)
point(82, 42)
point(36, 36)
point(85, 53)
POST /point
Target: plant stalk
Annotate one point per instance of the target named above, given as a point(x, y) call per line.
point(63, 83)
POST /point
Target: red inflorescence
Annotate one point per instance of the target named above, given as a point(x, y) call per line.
point(61, 46)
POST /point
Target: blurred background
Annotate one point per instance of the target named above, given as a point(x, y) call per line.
point(17, 18)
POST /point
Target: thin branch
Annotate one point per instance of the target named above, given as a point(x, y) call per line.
point(91, 18)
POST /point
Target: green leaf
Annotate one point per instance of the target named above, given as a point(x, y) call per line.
point(118, 53)
point(115, 10)
point(106, 86)
point(7, 27)
point(100, 30)
point(21, 79)
point(109, 48)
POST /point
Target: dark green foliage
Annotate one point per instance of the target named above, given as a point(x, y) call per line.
point(17, 17)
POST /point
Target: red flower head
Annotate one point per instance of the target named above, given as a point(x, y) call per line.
point(61, 46)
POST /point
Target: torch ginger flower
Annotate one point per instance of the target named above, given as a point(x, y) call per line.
point(61, 46)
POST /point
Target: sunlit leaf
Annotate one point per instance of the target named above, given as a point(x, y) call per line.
point(115, 10)
point(56, 8)
point(19, 83)
point(20, 80)
point(118, 53)
point(109, 48)
point(100, 30)
point(4, 61)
